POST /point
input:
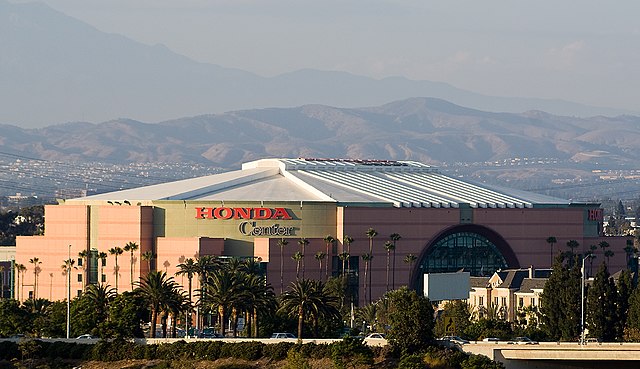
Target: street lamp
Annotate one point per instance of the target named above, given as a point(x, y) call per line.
point(582, 340)
point(68, 292)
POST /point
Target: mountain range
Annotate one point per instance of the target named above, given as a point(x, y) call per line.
point(425, 129)
point(54, 69)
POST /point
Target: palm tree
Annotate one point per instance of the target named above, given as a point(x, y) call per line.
point(368, 314)
point(20, 269)
point(307, 297)
point(551, 241)
point(115, 251)
point(572, 244)
point(223, 290)
point(320, 256)
point(348, 240)
point(35, 262)
point(366, 257)
point(156, 289)
point(394, 237)
point(148, 256)
point(298, 256)
point(371, 234)
point(205, 265)
point(628, 250)
point(389, 246)
point(260, 299)
point(344, 257)
point(328, 240)
point(190, 269)
point(131, 247)
point(608, 254)
point(410, 259)
point(103, 261)
point(101, 296)
point(282, 243)
point(303, 242)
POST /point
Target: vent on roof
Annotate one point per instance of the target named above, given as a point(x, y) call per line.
point(361, 161)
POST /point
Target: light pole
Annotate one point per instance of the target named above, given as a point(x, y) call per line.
point(582, 340)
point(68, 292)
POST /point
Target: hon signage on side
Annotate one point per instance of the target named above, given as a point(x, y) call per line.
point(243, 213)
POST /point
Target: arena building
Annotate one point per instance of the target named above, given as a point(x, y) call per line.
point(448, 224)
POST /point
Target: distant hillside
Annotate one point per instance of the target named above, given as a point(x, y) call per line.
point(424, 129)
point(54, 68)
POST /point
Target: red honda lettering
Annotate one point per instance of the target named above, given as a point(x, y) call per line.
point(281, 213)
point(242, 213)
point(223, 213)
point(262, 213)
point(202, 213)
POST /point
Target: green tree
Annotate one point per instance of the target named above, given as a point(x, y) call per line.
point(36, 271)
point(601, 306)
point(127, 312)
point(632, 328)
point(388, 246)
point(410, 259)
point(303, 242)
point(131, 247)
point(560, 301)
point(348, 240)
point(116, 251)
point(460, 311)
point(156, 289)
point(83, 259)
point(223, 292)
point(260, 300)
point(307, 298)
point(344, 257)
point(148, 256)
point(367, 257)
point(103, 261)
point(625, 287)
point(190, 269)
point(281, 244)
point(13, 319)
point(395, 237)
point(329, 241)
point(298, 256)
point(411, 320)
point(572, 245)
point(319, 256)
point(100, 296)
point(20, 269)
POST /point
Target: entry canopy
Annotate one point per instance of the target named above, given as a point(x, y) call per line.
point(346, 182)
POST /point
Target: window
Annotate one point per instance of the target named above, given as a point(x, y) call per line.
point(504, 301)
point(495, 301)
point(79, 292)
point(79, 277)
point(533, 301)
point(104, 278)
point(104, 262)
point(520, 302)
point(480, 301)
point(30, 294)
point(80, 262)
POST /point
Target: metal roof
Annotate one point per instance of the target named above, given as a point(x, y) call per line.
point(344, 181)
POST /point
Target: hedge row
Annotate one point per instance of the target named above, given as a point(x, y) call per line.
point(124, 350)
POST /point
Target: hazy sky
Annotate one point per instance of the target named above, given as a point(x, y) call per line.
point(581, 50)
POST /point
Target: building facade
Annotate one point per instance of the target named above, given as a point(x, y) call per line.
point(446, 223)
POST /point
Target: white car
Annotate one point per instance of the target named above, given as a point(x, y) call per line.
point(87, 337)
point(455, 339)
point(283, 335)
point(378, 336)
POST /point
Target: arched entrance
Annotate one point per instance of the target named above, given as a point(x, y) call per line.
point(469, 247)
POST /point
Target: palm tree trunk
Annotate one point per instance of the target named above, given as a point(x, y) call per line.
point(393, 278)
point(281, 266)
point(300, 320)
point(221, 313)
point(255, 322)
point(154, 321)
point(326, 265)
point(234, 319)
point(388, 259)
point(366, 267)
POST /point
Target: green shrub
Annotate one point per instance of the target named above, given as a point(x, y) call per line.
point(297, 360)
point(236, 366)
point(415, 361)
point(437, 357)
point(350, 352)
point(480, 362)
point(242, 350)
point(277, 351)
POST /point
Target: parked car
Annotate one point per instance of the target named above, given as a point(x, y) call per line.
point(455, 339)
point(523, 341)
point(376, 336)
point(593, 340)
point(283, 335)
point(491, 339)
point(86, 337)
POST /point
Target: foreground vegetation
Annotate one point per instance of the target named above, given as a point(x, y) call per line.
point(348, 353)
